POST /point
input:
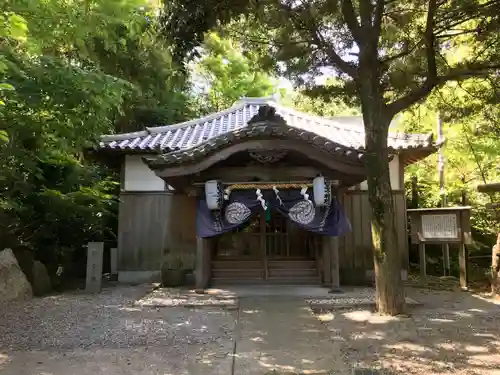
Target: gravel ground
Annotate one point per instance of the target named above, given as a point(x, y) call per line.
point(171, 297)
point(351, 297)
point(78, 324)
point(110, 333)
point(448, 333)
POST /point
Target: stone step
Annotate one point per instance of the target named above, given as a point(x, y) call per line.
point(270, 280)
point(292, 272)
point(237, 264)
point(238, 273)
point(292, 264)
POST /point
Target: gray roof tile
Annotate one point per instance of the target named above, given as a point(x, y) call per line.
point(347, 131)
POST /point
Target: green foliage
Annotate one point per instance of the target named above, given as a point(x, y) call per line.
point(317, 105)
point(73, 71)
point(223, 74)
point(387, 56)
point(470, 151)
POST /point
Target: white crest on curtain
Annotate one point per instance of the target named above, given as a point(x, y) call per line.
point(237, 213)
point(302, 212)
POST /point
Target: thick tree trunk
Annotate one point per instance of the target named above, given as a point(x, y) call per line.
point(495, 268)
point(387, 259)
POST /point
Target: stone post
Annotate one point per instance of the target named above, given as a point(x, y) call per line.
point(113, 254)
point(95, 252)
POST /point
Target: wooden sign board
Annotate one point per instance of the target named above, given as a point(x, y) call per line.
point(440, 225)
point(447, 225)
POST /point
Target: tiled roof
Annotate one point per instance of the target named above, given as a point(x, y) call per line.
point(344, 131)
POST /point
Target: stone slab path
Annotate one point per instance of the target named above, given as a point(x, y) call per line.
point(282, 336)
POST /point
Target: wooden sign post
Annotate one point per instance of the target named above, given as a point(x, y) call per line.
point(446, 225)
point(491, 189)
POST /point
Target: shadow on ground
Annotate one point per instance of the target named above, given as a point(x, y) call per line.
point(451, 332)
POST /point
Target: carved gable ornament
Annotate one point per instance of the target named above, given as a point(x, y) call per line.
point(267, 156)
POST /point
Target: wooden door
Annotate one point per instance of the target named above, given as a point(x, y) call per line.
point(270, 236)
point(286, 240)
point(243, 243)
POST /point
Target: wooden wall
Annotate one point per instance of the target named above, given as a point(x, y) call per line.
point(355, 248)
point(149, 224)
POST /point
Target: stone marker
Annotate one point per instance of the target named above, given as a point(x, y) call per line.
point(41, 280)
point(95, 252)
point(113, 253)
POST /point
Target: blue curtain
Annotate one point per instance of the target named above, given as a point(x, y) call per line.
point(292, 203)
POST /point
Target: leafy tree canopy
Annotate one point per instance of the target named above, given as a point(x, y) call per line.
point(223, 74)
point(388, 55)
point(75, 70)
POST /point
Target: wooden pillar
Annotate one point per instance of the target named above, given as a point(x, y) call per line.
point(326, 260)
point(463, 260)
point(331, 267)
point(263, 248)
point(334, 246)
point(335, 268)
point(423, 262)
point(203, 264)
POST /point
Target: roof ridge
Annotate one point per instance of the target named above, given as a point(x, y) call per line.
point(160, 129)
point(257, 99)
point(123, 136)
point(330, 122)
point(272, 101)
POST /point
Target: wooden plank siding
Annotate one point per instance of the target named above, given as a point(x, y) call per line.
point(151, 223)
point(355, 248)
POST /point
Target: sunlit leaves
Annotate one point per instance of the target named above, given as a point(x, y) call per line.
point(223, 74)
point(471, 149)
point(85, 68)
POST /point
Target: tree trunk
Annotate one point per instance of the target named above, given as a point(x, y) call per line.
point(387, 259)
point(495, 268)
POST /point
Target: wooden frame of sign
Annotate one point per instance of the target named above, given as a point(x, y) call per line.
point(446, 225)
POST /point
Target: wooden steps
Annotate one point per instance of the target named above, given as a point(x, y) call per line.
point(299, 272)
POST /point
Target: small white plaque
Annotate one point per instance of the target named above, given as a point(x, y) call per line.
point(440, 226)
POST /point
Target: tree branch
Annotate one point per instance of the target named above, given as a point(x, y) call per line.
point(377, 20)
point(431, 80)
point(351, 20)
point(365, 14)
point(406, 52)
point(333, 56)
point(476, 158)
point(467, 71)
